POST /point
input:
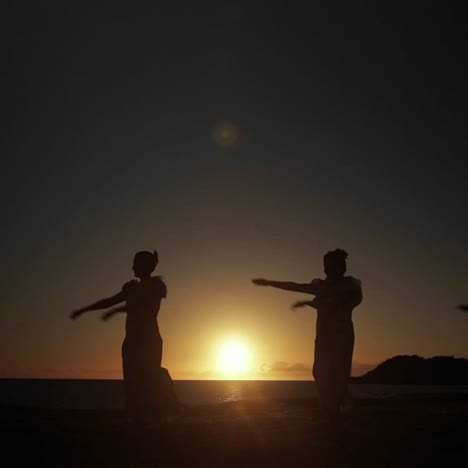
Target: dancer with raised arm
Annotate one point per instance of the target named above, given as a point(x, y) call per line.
point(148, 388)
point(335, 298)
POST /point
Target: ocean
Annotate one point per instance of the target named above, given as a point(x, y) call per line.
point(108, 394)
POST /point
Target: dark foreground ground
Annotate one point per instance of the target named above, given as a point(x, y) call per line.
point(401, 433)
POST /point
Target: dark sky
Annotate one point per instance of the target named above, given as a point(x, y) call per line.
point(239, 141)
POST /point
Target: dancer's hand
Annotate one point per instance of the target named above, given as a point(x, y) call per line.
point(299, 304)
point(261, 282)
point(106, 316)
point(463, 307)
point(76, 313)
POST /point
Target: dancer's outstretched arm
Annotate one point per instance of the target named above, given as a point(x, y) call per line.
point(110, 313)
point(307, 288)
point(300, 304)
point(102, 304)
point(463, 307)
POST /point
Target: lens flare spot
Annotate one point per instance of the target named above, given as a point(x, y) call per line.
point(226, 134)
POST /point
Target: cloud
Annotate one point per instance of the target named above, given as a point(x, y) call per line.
point(358, 368)
point(282, 366)
point(59, 373)
point(89, 370)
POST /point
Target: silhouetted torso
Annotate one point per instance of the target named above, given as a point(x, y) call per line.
point(335, 302)
point(143, 304)
point(142, 347)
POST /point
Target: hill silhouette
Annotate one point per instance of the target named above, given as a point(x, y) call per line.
point(438, 370)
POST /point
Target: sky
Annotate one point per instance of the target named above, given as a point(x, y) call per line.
point(239, 141)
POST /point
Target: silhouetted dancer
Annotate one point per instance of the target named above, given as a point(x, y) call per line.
point(148, 387)
point(335, 298)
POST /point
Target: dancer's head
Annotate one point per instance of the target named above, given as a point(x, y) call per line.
point(144, 263)
point(334, 263)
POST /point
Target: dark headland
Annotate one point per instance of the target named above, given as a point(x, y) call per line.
point(411, 370)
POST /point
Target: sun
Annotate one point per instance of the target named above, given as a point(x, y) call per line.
point(233, 358)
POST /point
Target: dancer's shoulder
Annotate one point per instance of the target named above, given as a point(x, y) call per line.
point(351, 281)
point(129, 286)
point(159, 285)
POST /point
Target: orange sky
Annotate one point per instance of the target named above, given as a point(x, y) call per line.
point(205, 308)
point(238, 143)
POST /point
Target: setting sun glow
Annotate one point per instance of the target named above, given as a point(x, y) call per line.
point(233, 358)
